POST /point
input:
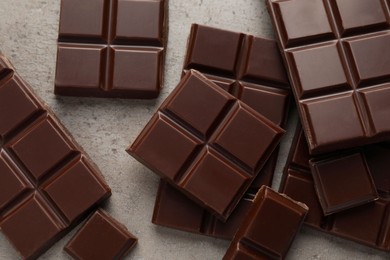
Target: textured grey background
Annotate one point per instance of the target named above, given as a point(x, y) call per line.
point(104, 127)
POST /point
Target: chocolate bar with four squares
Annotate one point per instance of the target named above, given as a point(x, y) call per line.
point(111, 48)
point(206, 143)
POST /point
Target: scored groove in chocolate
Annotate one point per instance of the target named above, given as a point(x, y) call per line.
point(366, 224)
point(110, 55)
point(337, 62)
point(200, 103)
point(35, 152)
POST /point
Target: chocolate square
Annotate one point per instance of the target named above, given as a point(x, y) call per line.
point(269, 228)
point(173, 149)
point(343, 183)
point(101, 237)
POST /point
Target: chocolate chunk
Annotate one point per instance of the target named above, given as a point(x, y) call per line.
point(265, 67)
point(337, 61)
point(111, 48)
point(366, 224)
point(47, 183)
point(343, 182)
point(269, 228)
point(200, 129)
point(101, 237)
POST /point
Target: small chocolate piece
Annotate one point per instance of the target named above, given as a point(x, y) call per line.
point(47, 183)
point(175, 210)
point(367, 224)
point(111, 48)
point(101, 237)
point(265, 67)
point(338, 64)
point(269, 228)
point(206, 143)
point(343, 182)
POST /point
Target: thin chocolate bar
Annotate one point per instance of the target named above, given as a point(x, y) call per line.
point(206, 143)
point(175, 210)
point(111, 48)
point(367, 224)
point(101, 237)
point(269, 228)
point(338, 63)
point(47, 182)
point(263, 62)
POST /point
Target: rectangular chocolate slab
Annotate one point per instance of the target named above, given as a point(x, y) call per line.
point(101, 237)
point(338, 63)
point(265, 67)
point(269, 228)
point(201, 129)
point(111, 48)
point(47, 182)
point(367, 224)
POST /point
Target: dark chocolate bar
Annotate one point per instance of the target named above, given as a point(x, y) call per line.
point(264, 65)
point(337, 54)
point(101, 237)
point(47, 183)
point(269, 228)
point(367, 224)
point(207, 143)
point(111, 48)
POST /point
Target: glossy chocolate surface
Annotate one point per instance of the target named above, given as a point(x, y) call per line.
point(201, 129)
point(269, 228)
point(111, 48)
point(367, 224)
point(343, 182)
point(265, 66)
point(47, 183)
point(338, 61)
point(101, 237)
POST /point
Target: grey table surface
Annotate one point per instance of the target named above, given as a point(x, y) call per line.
point(105, 127)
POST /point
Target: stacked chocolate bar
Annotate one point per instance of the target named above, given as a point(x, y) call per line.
point(214, 141)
